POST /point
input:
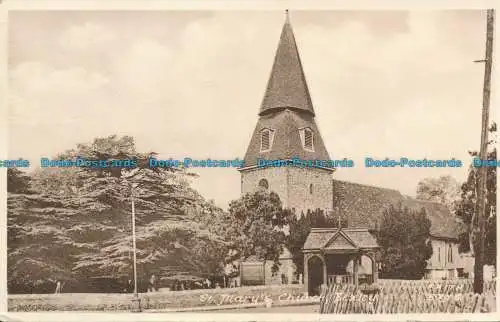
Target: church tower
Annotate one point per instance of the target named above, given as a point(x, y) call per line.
point(286, 129)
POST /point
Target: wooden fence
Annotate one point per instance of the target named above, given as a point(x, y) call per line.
point(453, 296)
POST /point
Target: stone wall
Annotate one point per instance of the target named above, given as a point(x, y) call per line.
point(293, 185)
point(300, 196)
point(276, 177)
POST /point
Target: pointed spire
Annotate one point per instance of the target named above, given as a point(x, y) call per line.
point(287, 86)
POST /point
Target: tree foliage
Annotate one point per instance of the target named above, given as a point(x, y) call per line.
point(78, 221)
point(300, 227)
point(18, 182)
point(37, 250)
point(445, 190)
point(404, 241)
point(255, 226)
point(468, 202)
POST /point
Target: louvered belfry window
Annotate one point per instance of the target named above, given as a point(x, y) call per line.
point(266, 139)
point(307, 139)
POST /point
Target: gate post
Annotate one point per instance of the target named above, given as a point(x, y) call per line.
point(306, 274)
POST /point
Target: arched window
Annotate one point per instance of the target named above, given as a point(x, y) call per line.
point(263, 184)
point(311, 189)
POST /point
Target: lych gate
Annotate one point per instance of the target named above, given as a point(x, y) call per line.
point(333, 255)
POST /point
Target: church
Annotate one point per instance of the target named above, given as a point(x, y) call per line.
point(286, 129)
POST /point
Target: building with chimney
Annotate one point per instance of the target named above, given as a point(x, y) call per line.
point(286, 129)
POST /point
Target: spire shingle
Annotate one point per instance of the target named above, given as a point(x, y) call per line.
point(287, 86)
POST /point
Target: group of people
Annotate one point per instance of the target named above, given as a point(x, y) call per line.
point(193, 285)
point(152, 285)
point(179, 285)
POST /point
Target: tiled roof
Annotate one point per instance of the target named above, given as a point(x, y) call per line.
point(361, 237)
point(320, 238)
point(287, 143)
point(287, 85)
point(363, 206)
point(286, 107)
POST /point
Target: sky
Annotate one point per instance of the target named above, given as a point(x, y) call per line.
point(190, 83)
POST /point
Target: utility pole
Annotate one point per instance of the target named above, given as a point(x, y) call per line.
point(136, 301)
point(136, 307)
point(479, 229)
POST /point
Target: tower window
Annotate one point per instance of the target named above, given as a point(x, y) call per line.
point(308, 141)
point(439, 254)
point(311, 189)
point(266, 139)
point(450, 254)
point(307, 136)
point(263, 184)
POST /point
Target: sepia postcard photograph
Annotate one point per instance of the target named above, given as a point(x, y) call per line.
point(282, 161)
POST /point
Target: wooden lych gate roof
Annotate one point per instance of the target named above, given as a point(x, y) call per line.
point(339, 239)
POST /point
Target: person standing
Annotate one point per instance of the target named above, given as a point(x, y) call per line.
point(130, 286)
point(207, 282)
point(152, 283)
point(58, 288)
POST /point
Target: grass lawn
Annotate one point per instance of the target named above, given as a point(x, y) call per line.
point(150, 301)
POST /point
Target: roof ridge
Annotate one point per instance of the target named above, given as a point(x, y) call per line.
point(324, 229)
point(355, 229)
point(370, 186)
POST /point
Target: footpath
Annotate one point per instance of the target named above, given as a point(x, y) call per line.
point(237, 306)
